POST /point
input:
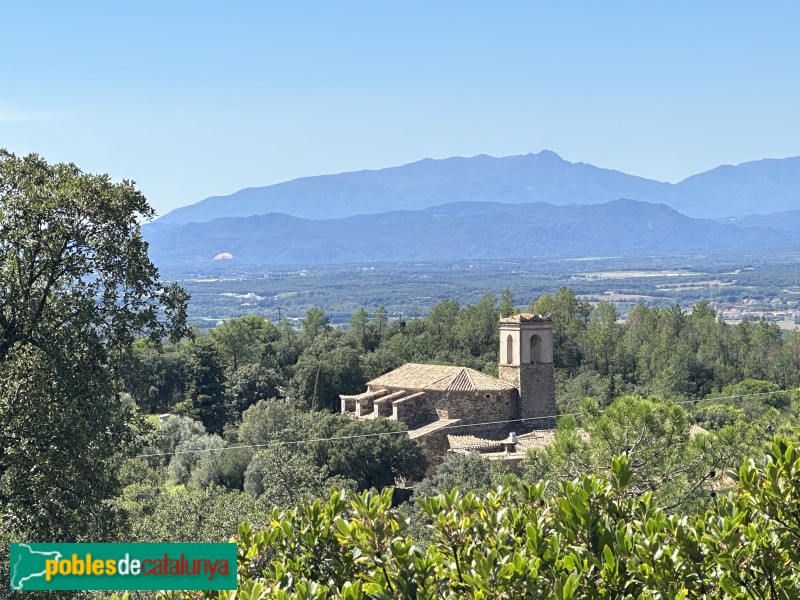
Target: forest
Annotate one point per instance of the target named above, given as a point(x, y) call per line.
point(673, 472)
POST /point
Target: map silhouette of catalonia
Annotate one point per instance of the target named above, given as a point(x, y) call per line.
point(27, 564)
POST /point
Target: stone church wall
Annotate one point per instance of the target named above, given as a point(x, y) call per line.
point(475, 407)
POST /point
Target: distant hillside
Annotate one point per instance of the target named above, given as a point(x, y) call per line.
point(476, 230)
point(782, 221)
point(757, 187)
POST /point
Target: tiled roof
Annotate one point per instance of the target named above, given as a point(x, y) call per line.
point(439, 378)
point(365, 395)
point(488, 441)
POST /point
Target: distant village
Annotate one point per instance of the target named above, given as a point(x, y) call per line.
point(785, 314)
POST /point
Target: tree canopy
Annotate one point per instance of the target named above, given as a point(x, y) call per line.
point(76, 289)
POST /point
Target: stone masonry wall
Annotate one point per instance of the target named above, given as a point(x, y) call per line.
point(436, 446)
point(414, 410)
point(540, 401)
point(475, 407)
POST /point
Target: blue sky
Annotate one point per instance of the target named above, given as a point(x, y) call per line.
point(192, 99)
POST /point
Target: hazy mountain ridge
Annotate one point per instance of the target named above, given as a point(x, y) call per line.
point(764, 186)
point(476, 230)
point(782, 221)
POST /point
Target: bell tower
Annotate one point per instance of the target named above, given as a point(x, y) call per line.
point(526, 362)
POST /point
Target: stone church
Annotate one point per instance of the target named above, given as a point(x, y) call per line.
point(452, 409)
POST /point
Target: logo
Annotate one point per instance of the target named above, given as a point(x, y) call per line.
point(123, 566)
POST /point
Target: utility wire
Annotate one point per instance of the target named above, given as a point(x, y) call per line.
point(405, 432)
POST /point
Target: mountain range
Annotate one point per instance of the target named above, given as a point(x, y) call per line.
point(475, 230)
point(758, 187)
point(537, 205)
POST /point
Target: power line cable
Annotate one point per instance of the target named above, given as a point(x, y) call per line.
point(405, 432)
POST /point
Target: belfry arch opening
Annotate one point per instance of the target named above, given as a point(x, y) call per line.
point(536, 349)
point(509, 350)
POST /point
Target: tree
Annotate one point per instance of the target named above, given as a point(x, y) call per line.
point(315, 323)
point(242, 341)
point(324, 371)
point(374, 454)
point(604, 334)
point(358, 330)
point(157, 376)
point(442, 321)
point(506, 308)
point(248, 385)
point(283, 478)
point(170, 433)
point(282, 353)
point(379, 362)
point(468, 472)
point(189, 452)
point(477, 327)
point(378, 453)
point(671, 462)
point(570, 317)
point(205, 400)
point(190, 515)
point(76, 288)
point(380, 322)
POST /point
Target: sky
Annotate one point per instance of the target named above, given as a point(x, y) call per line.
point(195, 99)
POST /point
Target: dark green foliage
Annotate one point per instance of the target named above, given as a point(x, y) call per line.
point(570, 317)
point(185, 514)
point(506, 308)
point(157, 376)
point(243, 340)
point(378, 454)
point(324, 370)
point(379, 362)
point(265, 460)
point(169, 434)
point(375, 453)
point(468, 472)
point(193, 459)
point(205, 398)
point(315, 324)
point(249, 384)
point(677, 465)
point(282, 477)
point(225, 468)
